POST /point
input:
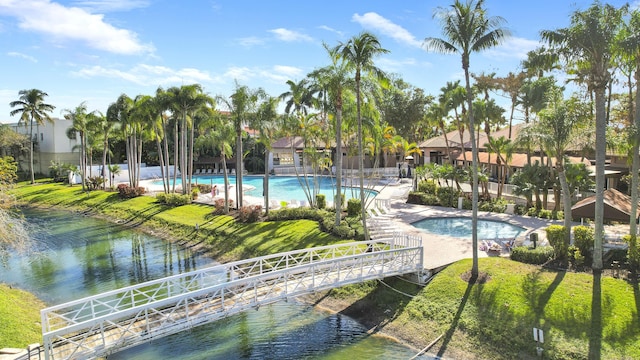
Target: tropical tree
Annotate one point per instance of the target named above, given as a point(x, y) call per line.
point(242, 105)
point(503, 148)
point(218, 133)
point(32, 108)
point(587, 46)
point(266, 123)
point(80, 126)
point(334, 80)
point(186, 102)
point(467, 29)
point(359, 53)
point(454, 96)
point(556, 126)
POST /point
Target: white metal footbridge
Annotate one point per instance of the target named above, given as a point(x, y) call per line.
point(100, 325)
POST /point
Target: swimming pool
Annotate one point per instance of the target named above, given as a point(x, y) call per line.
point(281, 188)
point(460, 227)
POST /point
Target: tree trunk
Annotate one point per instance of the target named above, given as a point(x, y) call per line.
point(566, 199)
point(361, 159)
point(474, 176)
point(239, 152)
point(33, 178)
point(265, 182)
point(601, 127)
point(337, 199)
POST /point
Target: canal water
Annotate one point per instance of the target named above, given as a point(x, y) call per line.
point(78, 256)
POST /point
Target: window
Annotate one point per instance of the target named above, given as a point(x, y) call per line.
point(282, 159)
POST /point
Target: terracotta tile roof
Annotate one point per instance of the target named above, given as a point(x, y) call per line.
point(518, 160)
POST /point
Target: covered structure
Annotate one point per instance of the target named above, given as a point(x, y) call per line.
point(617, 207)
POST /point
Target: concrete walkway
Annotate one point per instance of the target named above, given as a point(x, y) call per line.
point(442, 250)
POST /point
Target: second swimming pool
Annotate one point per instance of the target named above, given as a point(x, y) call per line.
point(460, 227)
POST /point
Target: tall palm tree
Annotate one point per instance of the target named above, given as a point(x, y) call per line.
point(467, 29)
point(359, 53)
point(218, 133)
point(557, 125)
point(79, 125)
point(185, 102)
point(267, 125)
point(503, 148)
point(242, 105)
point(334, 79)
point(454, 96)
point(32, 108)
point(587, 43)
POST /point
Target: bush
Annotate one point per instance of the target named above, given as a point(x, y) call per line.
point(545, 214)
point(194, 193)
point(520, 209)
point(421, 198)
point(204, 188)
point(427, 187)
point(537, 256)
point(583, 237)
point(173, 199)
point(249, 214)
point(448, 196)
point(95, 182)
point(556, 236)
point(321, 201)
point(218, 205)
point(354, 207)
point(127, 192)
point(532, 211)
point(344, 231)
point(633, 253)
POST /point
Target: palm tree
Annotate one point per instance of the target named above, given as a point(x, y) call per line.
point(454, 96)
point(467, 29)
point(185, 102)
point(219, 134)
point(266, 124)
point(334, 79)
point(359, 53)
point(588, 43)
point(32, 108)
point(557, 125)
point(242, 105)
point(79, 125)
point(503, 148)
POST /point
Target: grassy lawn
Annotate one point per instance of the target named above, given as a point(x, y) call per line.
point(19, 318)
point(582, 316)
point(494, 319)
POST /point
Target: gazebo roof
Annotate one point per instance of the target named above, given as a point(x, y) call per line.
point(617, 206)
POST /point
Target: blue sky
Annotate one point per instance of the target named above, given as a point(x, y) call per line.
point(95, 50)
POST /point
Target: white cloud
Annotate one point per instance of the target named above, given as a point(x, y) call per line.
point(111, 5)
point(330, 29)
point(239, 73)
point(290, 71)
point(250, 41)
point(289, 35)
point(24, 56)
point(148, 75)
point(72, 24)
point(513, 48)
point(376, 22)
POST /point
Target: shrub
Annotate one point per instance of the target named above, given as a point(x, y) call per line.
point(194, 193)
point(173, 199)
point(249, 214)
point(537, 256)
point(532, 211)
point(421, 198)
point(575, 256)
point(545, 214)
point(556, 236)
point(353, 207)
point(583, 237)
point(344, 231)
point(204, 188)
point(95, 182)
point(633, 252)
point(127, 192)
point(218, 205)
point(448, 196)
point(427, 187)
point(520, 209)
point(321, 201)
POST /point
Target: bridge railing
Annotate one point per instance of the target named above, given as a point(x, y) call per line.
point(92, 307)
point(208, 294)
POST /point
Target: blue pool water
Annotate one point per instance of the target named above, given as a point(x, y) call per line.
point(460, 227)
point(283, 188)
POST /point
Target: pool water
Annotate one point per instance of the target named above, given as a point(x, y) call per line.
point(460, 227)
point(283, 188)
